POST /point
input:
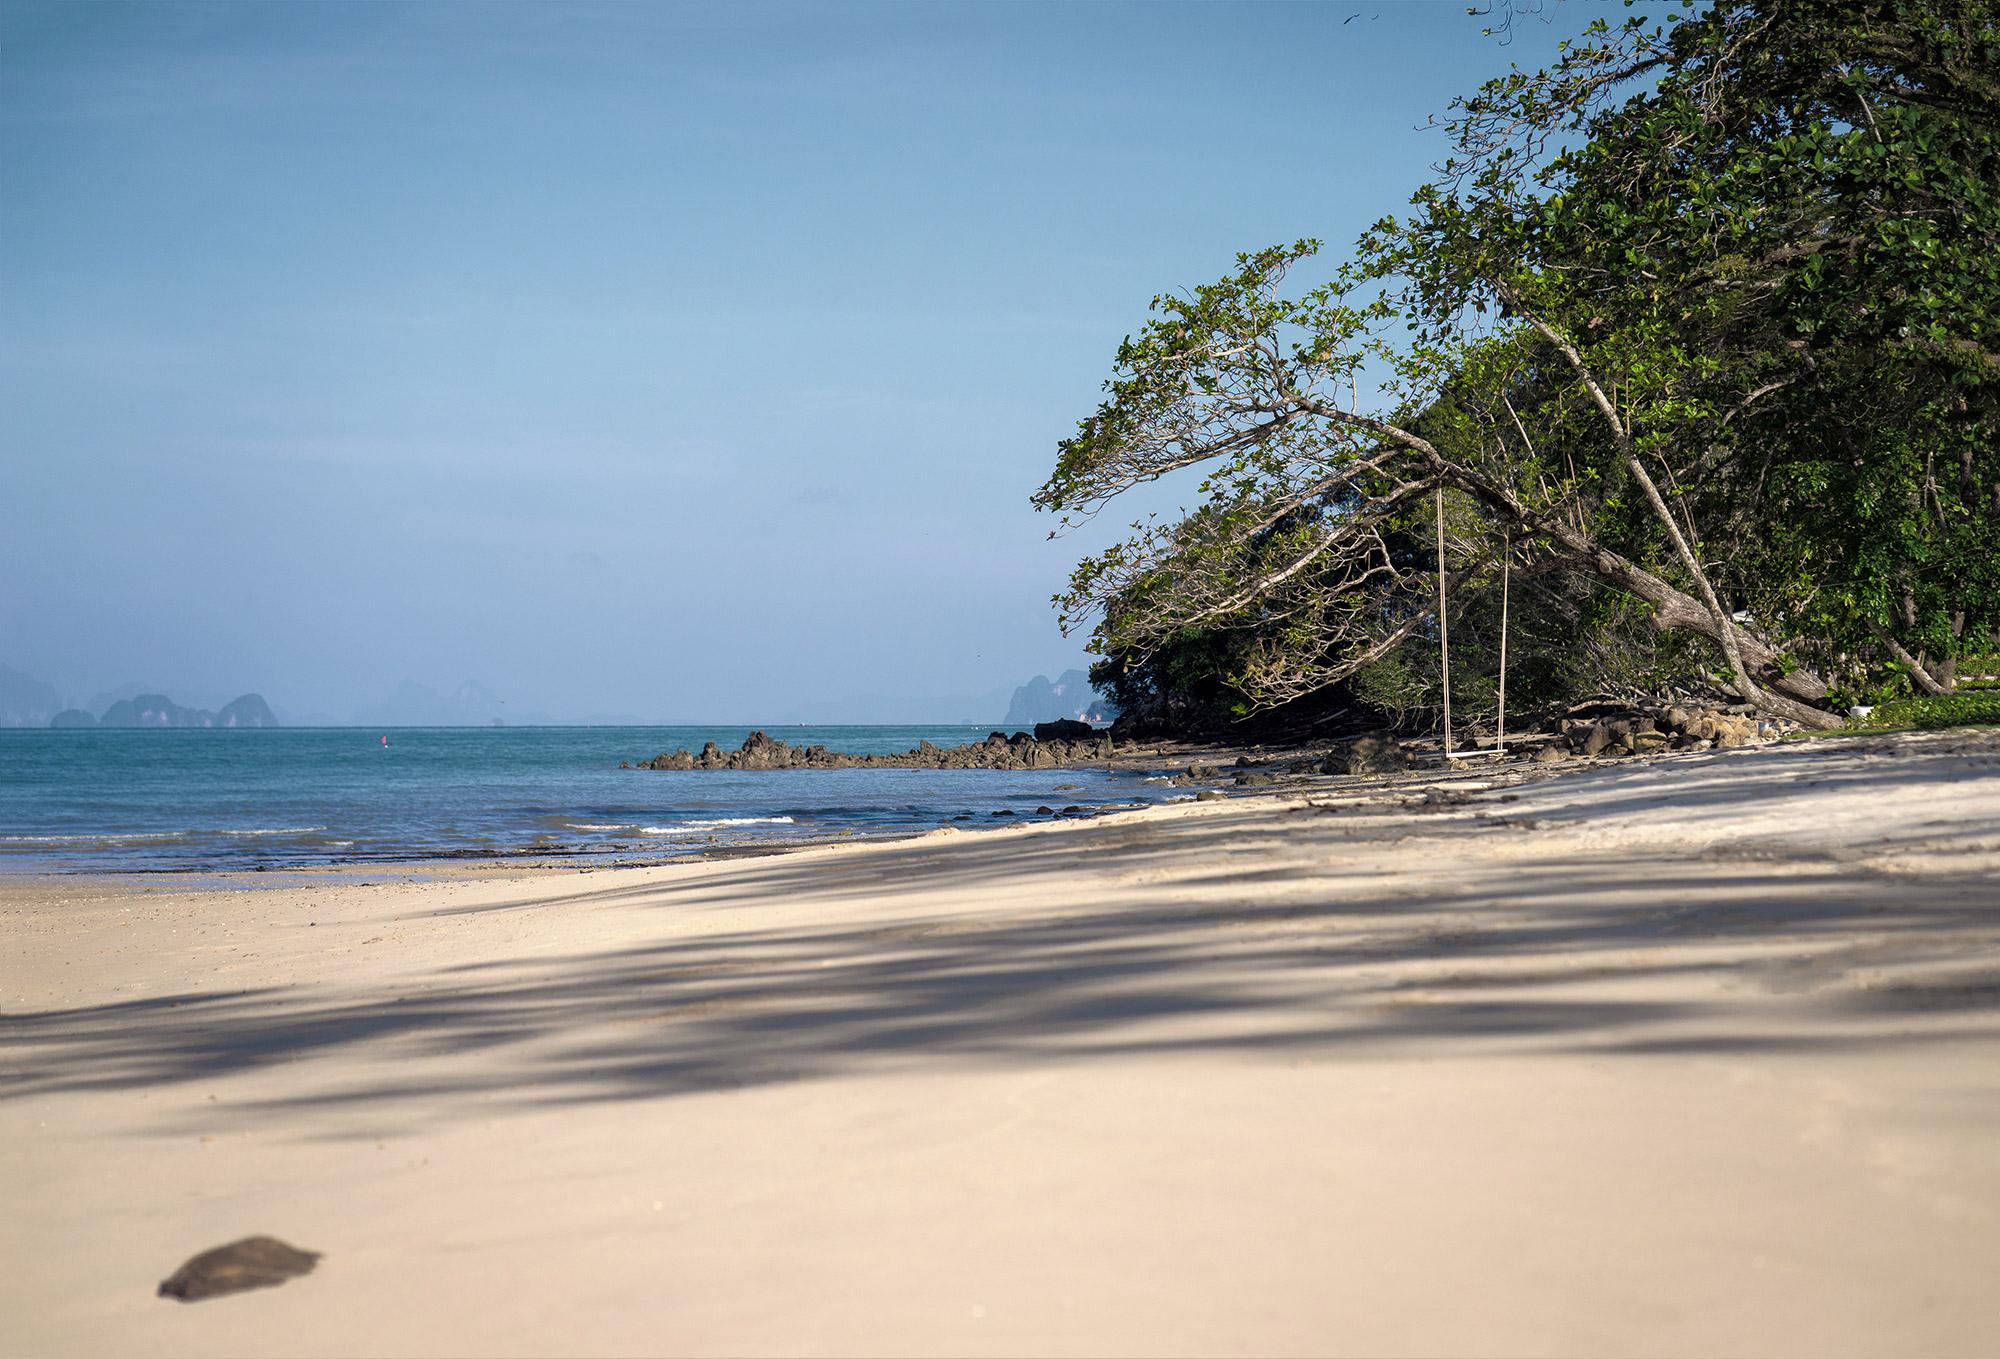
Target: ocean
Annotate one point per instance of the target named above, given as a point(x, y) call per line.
point(208, 800)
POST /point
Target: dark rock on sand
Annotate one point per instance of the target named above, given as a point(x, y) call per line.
point(253, 1262)
point(1605, 731)
point(1369, 755)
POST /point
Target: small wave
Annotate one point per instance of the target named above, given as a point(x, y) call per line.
point(597, 826)
point(163, 837)
point(716, 823)
point(97, 838)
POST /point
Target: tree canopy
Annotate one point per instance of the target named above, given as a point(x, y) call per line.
point(1698, 324)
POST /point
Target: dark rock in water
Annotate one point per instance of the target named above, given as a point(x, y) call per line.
point(253, 1262)
point(1210, 795)
point(1020, 751)
point(1066, 729)
point(1045, 811)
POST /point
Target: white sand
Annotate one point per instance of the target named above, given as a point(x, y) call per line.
point(1698, 1056)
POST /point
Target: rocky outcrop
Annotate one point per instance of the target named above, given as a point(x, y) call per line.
point(1065, 729)
point(997, 751)
point(1640, 731)
point(72, 717)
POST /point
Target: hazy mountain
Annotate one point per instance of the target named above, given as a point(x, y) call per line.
point(876, 709)
point(472, 704)
point(1069, 695)
point(25, 701)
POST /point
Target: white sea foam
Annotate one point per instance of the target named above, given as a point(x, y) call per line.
point(154, 837)
point(598, 826)
point(92, 839)
point(716, 823)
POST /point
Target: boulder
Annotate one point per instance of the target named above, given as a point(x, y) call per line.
point(1065, 729)
point(1375, 755)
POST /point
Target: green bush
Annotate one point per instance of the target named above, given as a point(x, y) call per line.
point(1965, 708)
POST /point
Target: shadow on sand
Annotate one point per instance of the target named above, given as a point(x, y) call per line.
point(1141, 937)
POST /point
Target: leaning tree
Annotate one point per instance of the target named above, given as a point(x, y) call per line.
point(1704, 312)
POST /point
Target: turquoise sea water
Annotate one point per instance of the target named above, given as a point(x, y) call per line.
point(210, 799)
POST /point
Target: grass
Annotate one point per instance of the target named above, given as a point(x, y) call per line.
point(1934, 712)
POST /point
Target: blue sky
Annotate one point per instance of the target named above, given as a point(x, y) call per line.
point(679, 362)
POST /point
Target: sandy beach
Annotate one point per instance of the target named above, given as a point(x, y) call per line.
point(1695, 1055)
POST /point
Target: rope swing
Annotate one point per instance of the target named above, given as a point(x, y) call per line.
point(1444, 627)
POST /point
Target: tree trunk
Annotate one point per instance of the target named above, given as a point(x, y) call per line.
point(1795, 694)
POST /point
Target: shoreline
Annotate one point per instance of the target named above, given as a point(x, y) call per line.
point(1696, 1053)
point(1228, 766)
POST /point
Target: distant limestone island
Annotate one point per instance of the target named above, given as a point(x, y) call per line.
point(157, 710)
point(1069, 697)
point(28, 702)
point(1050, 746)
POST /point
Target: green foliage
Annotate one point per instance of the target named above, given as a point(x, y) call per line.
point(1967, 708)
point(1709, 308)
